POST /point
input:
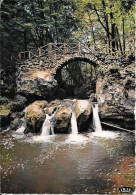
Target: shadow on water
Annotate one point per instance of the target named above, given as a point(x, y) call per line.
point(89, 164)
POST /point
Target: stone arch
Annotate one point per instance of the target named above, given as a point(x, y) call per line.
point(67, 60)
point(74, 58)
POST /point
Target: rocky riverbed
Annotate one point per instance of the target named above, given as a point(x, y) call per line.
point(115, 88)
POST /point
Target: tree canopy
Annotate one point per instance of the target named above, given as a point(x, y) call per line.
point(27, 24)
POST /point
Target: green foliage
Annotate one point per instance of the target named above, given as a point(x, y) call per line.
point(101, 22)
point(101, 71)
point(4, 100)
point(113, 69)
point(30, 24)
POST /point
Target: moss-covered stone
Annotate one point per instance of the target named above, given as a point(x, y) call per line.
point(4, 100)
point(62, 118)
point(19, 103)
point(63, 109)
point(35, 116)
point(5, 113)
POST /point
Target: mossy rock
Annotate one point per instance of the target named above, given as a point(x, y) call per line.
point(4, 100)
point(113, 69)
point(19, 103)
point(52, 106)
point(4, 115)
point(62, 118)
point(35, 116)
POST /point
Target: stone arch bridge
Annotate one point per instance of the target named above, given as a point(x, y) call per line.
point(36, 70)
point(52, 56)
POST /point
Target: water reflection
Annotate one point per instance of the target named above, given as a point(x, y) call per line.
point(86, 164)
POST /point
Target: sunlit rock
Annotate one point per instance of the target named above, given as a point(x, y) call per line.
point(35, 116)
point(83, 114)
point(37, 84)
point(62, 118)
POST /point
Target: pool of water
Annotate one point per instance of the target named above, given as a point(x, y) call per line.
point(90, 163)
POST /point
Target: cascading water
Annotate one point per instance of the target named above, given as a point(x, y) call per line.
point(48, 126)
point(96, 120)
point(23, 126)
point(74, 127)
point(74, 137)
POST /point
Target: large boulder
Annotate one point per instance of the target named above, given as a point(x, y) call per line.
point(62, 118)
point(83, 114)
point(14, 125)
point(6, 112)
point(19, 103)
point(64, 108)
point(5, 116)
point(61, 111)
point(36, 84)
point(115, 96)
point(35, 116)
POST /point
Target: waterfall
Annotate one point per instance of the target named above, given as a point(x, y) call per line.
point(48, 126)
point(96, 119)
point(23, 126)
point(74, 127)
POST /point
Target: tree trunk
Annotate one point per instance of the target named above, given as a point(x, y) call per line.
point(93, 35)
point(112, 32)
point(119, 40)
point(107, 25)
point(123, 36)
point(25, 41)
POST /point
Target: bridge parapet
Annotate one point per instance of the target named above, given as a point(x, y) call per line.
point(57, 49)
point(53, 56)
point(38, 68)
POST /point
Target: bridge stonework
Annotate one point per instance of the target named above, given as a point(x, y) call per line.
point(52, 59)
point(36, 71)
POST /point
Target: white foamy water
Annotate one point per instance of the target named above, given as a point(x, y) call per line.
point(21, 129)
point(74, 127)
point(19, 133)
point(47, 130)
point(48, 126)
point(47, 138)
point(76, 139)
point(105, 134)
point(96, 120)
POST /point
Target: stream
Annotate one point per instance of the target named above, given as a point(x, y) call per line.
point(88, 163)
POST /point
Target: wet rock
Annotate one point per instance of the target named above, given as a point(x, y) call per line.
point(63, 114)
point(5, 117)
point(64, 111)
point(62, 118)
point(17, 115)
point(93, 97)
point(15, 124)
point(35, 116)
point(52, 106)
point(83, 114)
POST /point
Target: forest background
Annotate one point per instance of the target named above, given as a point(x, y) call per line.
point(31, 24)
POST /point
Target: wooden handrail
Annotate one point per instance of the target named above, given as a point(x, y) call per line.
point(67, 48)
